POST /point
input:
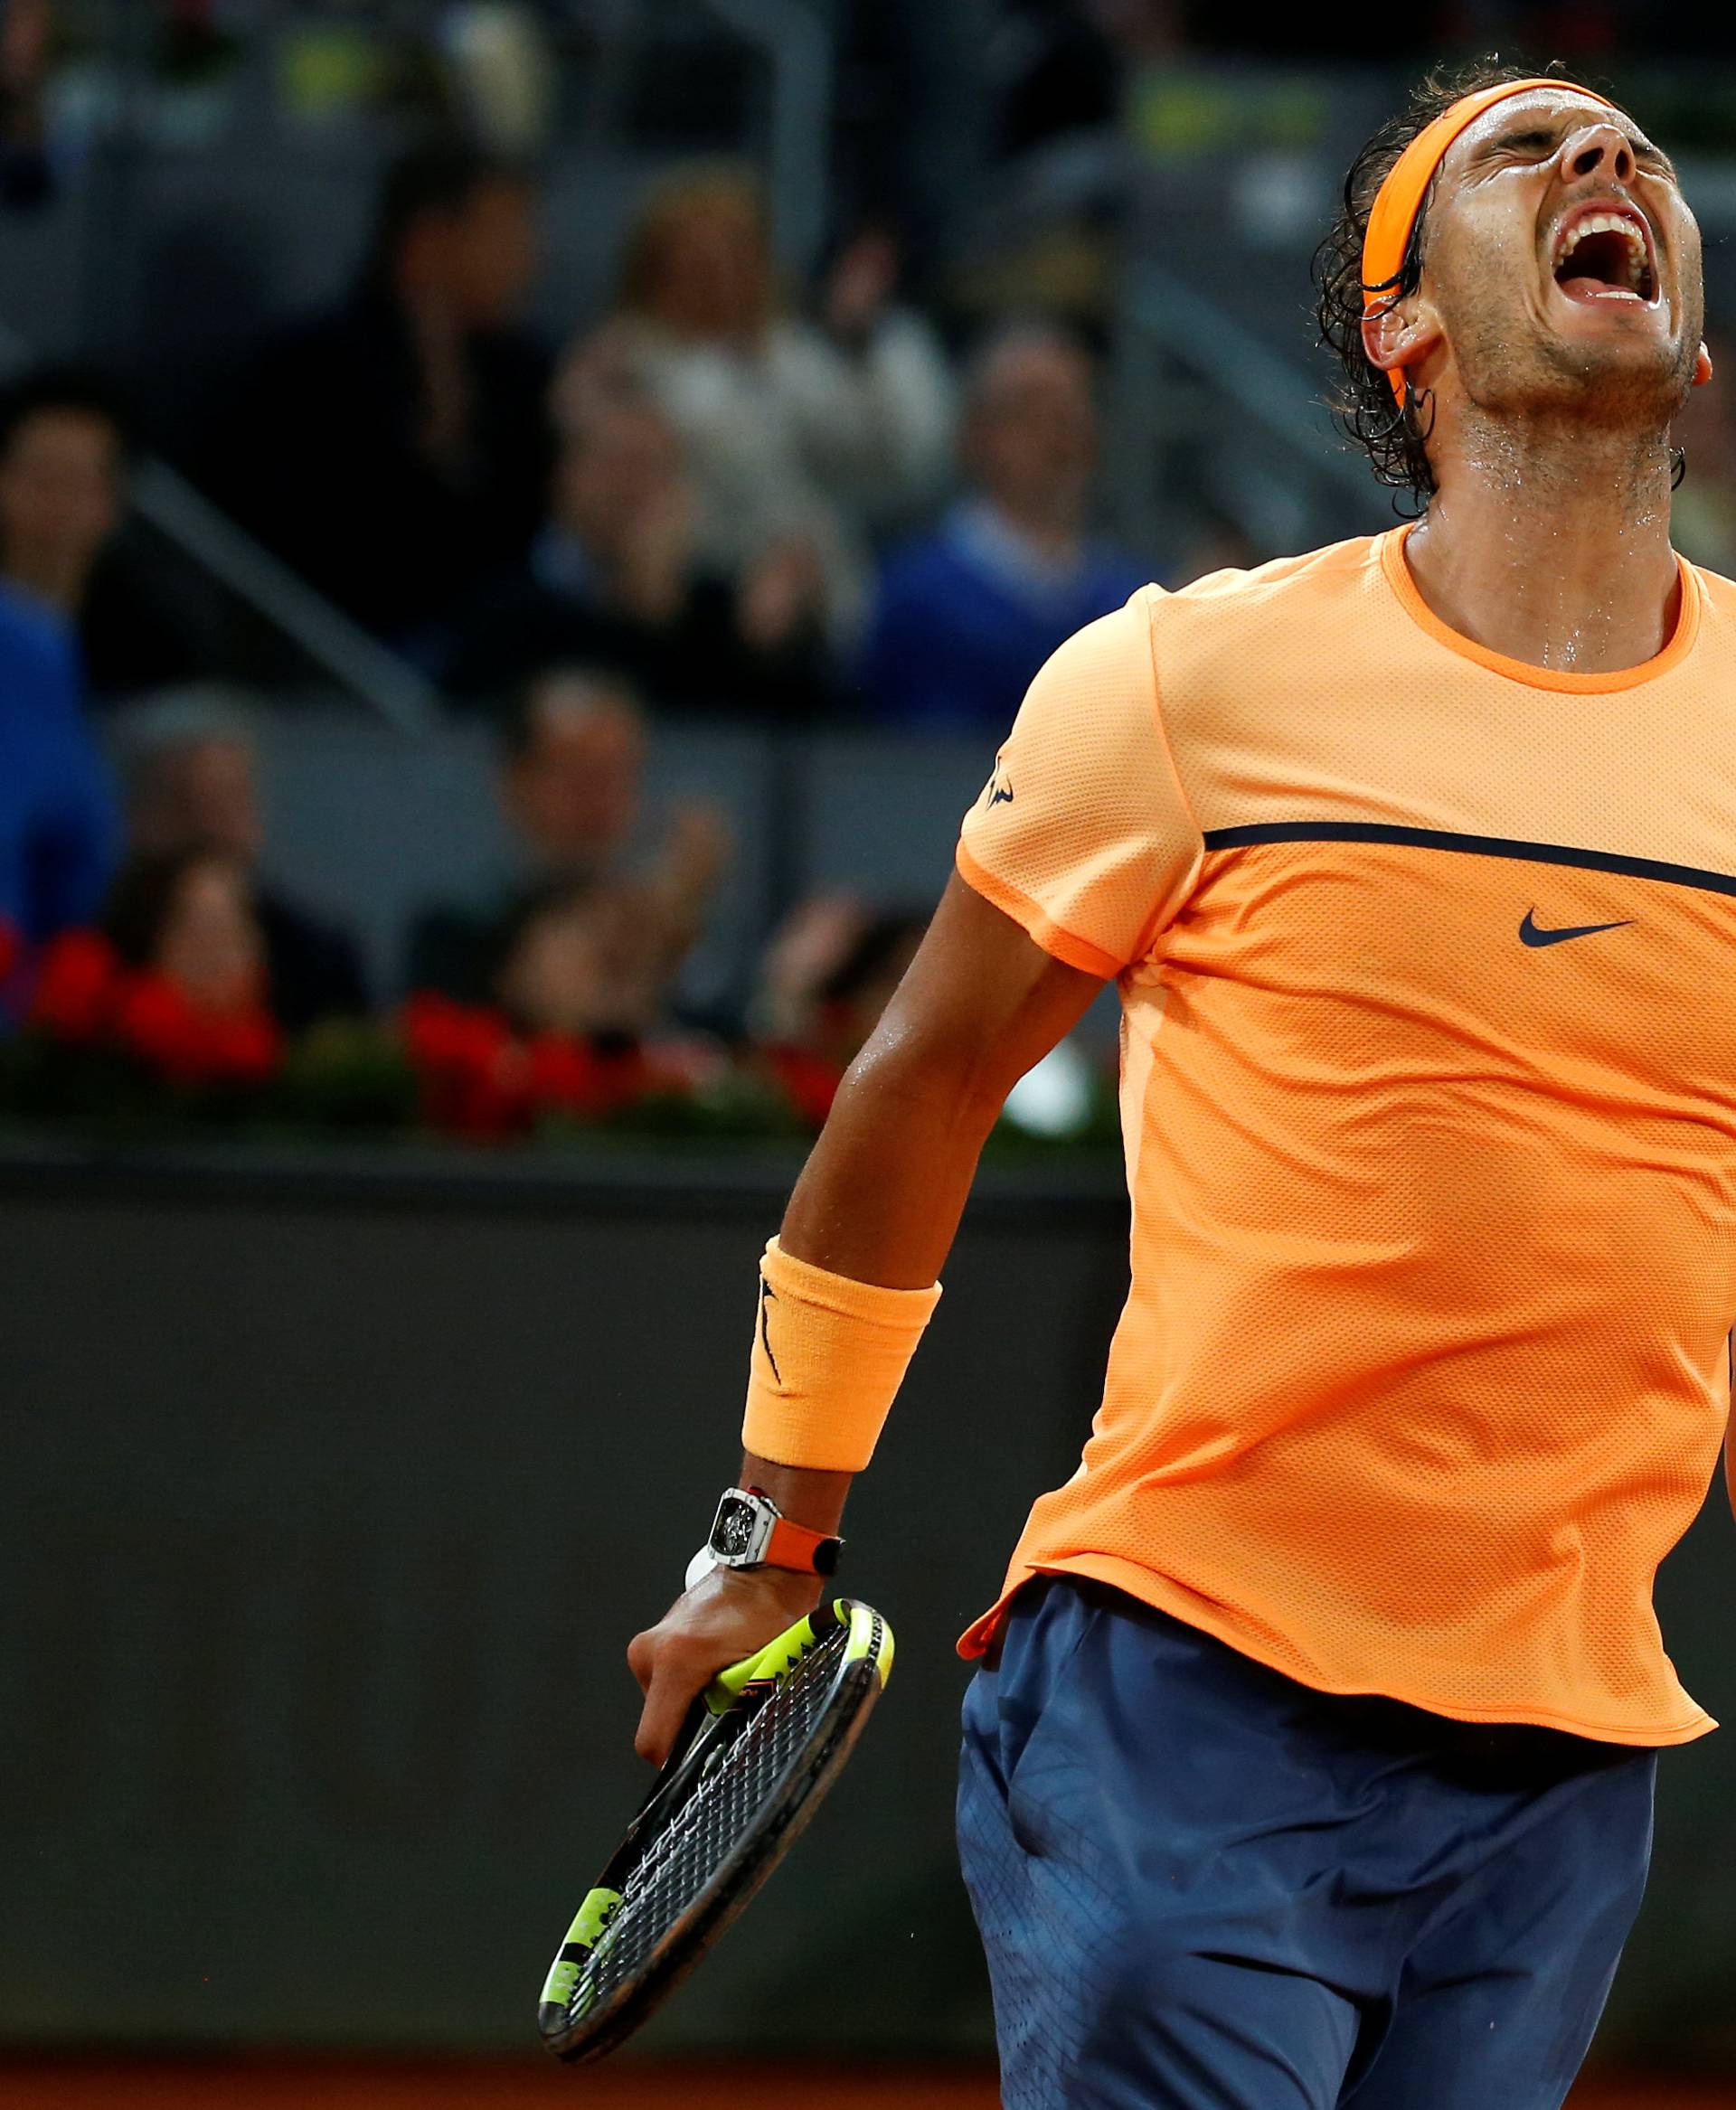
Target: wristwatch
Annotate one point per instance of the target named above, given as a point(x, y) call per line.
point(750, 1531)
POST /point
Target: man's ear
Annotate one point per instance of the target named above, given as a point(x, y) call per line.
point(1703, 368)
point(1398, 336)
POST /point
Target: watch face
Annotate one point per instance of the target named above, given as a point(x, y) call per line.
point(732, 1535)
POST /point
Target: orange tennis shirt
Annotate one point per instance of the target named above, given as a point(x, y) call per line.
point(1428, 967)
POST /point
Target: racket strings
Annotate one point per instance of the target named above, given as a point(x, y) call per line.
point(703, 1833)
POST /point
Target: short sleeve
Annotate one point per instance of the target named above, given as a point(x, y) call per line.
point(1083, 834)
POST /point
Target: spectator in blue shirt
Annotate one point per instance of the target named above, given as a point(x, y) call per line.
point(67, 545)
point(59, 829)
point(965, 615)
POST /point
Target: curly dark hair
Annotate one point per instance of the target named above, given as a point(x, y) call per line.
point(1394, 438)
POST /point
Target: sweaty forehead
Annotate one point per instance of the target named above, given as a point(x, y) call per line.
point(1541, 109)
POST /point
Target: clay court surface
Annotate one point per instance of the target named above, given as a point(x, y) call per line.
point(318, 2085)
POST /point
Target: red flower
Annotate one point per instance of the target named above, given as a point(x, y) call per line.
point(627, 1075)
point(473, 1072)
point(576, 1077)
point(157, 1022)
point(564, 1076)
point(76, 986)
point(153, 1022)
point(488, 1102)
point(245, 1047)
point(478, 1079)
point(441, 1035)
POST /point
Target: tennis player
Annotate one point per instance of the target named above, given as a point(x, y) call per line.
point(1310, 1758)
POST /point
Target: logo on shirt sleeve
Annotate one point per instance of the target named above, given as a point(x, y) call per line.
point(998, 791)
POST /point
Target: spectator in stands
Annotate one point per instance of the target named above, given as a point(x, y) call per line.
point(583, 960)
point(396, 452)
point(801, 435)
point(63, 472)
point(192, 791)
point(615, 579)
point(59, 828)
point(26, 40)
point(572, 784)
point(190, 1005)
point(965, 615)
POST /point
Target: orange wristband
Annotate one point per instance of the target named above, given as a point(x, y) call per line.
point(829, 1355)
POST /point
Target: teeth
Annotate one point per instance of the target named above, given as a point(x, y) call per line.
point(1609, 223)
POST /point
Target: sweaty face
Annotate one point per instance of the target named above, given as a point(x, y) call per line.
point(1562, 263)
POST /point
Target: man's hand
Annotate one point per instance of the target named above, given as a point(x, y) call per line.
point(727, 1616)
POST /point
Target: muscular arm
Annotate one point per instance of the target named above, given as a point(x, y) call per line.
point(879, 1201)
point(880, 1196)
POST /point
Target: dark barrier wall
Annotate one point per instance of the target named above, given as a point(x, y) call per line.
point(331, 1493)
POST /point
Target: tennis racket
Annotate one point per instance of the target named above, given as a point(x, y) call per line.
point(758, 1749)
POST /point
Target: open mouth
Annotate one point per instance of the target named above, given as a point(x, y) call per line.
point(1605, 255)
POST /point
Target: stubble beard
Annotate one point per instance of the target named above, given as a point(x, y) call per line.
point(1517, 375)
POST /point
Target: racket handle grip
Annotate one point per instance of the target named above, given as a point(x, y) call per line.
point(776, 1656)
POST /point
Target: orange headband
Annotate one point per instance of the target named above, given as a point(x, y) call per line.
point(1398, 200)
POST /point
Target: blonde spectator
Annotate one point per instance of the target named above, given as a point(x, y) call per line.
point(804, 437)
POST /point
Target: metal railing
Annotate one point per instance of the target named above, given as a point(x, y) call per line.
point(355, 662)
point(393, 689)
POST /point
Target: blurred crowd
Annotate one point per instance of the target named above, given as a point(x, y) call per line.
point(739, 501)
point(727, 498)
point(724, 500)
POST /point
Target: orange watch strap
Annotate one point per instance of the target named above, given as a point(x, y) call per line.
point(794, 1545)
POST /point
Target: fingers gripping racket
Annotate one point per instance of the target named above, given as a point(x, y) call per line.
point(758, 1751)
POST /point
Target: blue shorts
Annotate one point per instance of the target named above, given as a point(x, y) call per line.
point(1204, 1886)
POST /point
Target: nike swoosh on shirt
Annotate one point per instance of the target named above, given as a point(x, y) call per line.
point(1531, 934)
